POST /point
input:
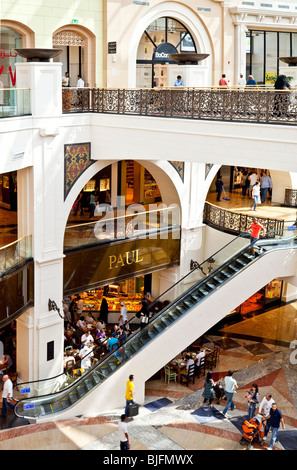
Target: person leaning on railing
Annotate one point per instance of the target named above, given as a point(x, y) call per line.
point(281, 100)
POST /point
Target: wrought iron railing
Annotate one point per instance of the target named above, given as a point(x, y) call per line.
point(250, 104)
point(236, 223)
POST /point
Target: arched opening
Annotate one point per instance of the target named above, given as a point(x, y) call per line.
point(167, 21)
point(13, 35)
point(163, 36)
point(78, 53)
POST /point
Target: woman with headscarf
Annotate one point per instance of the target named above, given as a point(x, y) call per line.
point(104, 310)
point(282, 99)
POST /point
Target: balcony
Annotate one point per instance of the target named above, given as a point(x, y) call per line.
point(14, 102)
point(238, 104)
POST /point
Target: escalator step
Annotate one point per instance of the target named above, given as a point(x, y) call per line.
point(65, 403)
point(210, 285)
point(73, 397)
point(219, 280)
point(81, 390)
point(97, 377)
point(89, 384)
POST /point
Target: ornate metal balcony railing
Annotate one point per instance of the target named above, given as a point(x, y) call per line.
point(236, 223)
point(250, 104)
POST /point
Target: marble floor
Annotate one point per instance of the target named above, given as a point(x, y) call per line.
point(173, 417)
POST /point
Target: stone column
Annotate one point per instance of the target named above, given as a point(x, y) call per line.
point(40, 329)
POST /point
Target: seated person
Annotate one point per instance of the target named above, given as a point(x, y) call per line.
point(76, 337)
point(100, 325)
point(115, 331)
point(68, 358)
point(90, 320)
point(87, 338)
point(81, 323)
point(100, 336)
point(85, 354)
point(112, 343)
point(188, 373)
point(200, 354)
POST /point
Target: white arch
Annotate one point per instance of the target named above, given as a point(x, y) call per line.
point(181, 13)
point(163, 172)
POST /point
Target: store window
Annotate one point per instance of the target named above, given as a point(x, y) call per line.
point(173, 37)
point(263, 52)
point(268, 295)
point(9, 40)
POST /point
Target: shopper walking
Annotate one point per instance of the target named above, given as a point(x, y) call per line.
point(6, 395)
point(230, 388)
point(253, 400)
point(123, 434)
point(208, 392)
point(129, 395)
point(219, 188)
point(275, 418)
point(265, 185)
point(256, 195)
point(264, 409)
point(256, 228)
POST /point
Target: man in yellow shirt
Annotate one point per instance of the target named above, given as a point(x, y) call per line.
point(129, 393)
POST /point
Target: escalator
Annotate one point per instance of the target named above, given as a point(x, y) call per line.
point(189, 308)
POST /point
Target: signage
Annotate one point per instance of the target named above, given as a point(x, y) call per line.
point(74, 21)
point(25, 390)
point(107, 262)
point(162, 51)
point(291, 228)
point(112, 47)
point(29, 406)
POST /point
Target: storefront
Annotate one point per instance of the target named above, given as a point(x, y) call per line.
point(162, 37)
point(10, 40)
point(267, 296)
point(130, 291)
point(263, 52)
point(8, 190)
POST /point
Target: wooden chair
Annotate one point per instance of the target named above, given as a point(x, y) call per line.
point(69, 367)
point(169, 375)
point(201, 368)
point(190, 376)
point(210, 361)
point(216, 354)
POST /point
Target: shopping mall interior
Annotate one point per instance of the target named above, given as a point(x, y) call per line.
point(256, 339)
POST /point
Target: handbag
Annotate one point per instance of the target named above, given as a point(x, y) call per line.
point(145, 319)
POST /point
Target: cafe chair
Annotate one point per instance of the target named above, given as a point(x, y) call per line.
point(69, 367)
point(216, 354)
point(169, 375)
point(210, 361)
point(190, 376)
point(201, 368)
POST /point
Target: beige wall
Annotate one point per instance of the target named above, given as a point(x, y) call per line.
point(45, 18)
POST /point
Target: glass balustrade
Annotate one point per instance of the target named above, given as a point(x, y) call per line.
point(15, 253)
point(14, 102)
point(140, 224)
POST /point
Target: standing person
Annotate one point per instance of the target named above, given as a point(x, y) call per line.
point(123, 434)
point(219, 188)
point(265, 185)
point(123, 316)
point(281, 100)
point(129, 393)
point(104, 310)
point(244, 183)
point(264, 409)
point(230, 388)
point(80, 83)
point(256, 228)
point(92, 204)
point(256, 195)
point(251, 81)
point(6, 395)
point(178, 81)
point(253, 178)
point(253, 400)
point(208, 393)
point(242, 80)
point(66, 80)
point(275, 418)
point(144, 313)
point(223, 81)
